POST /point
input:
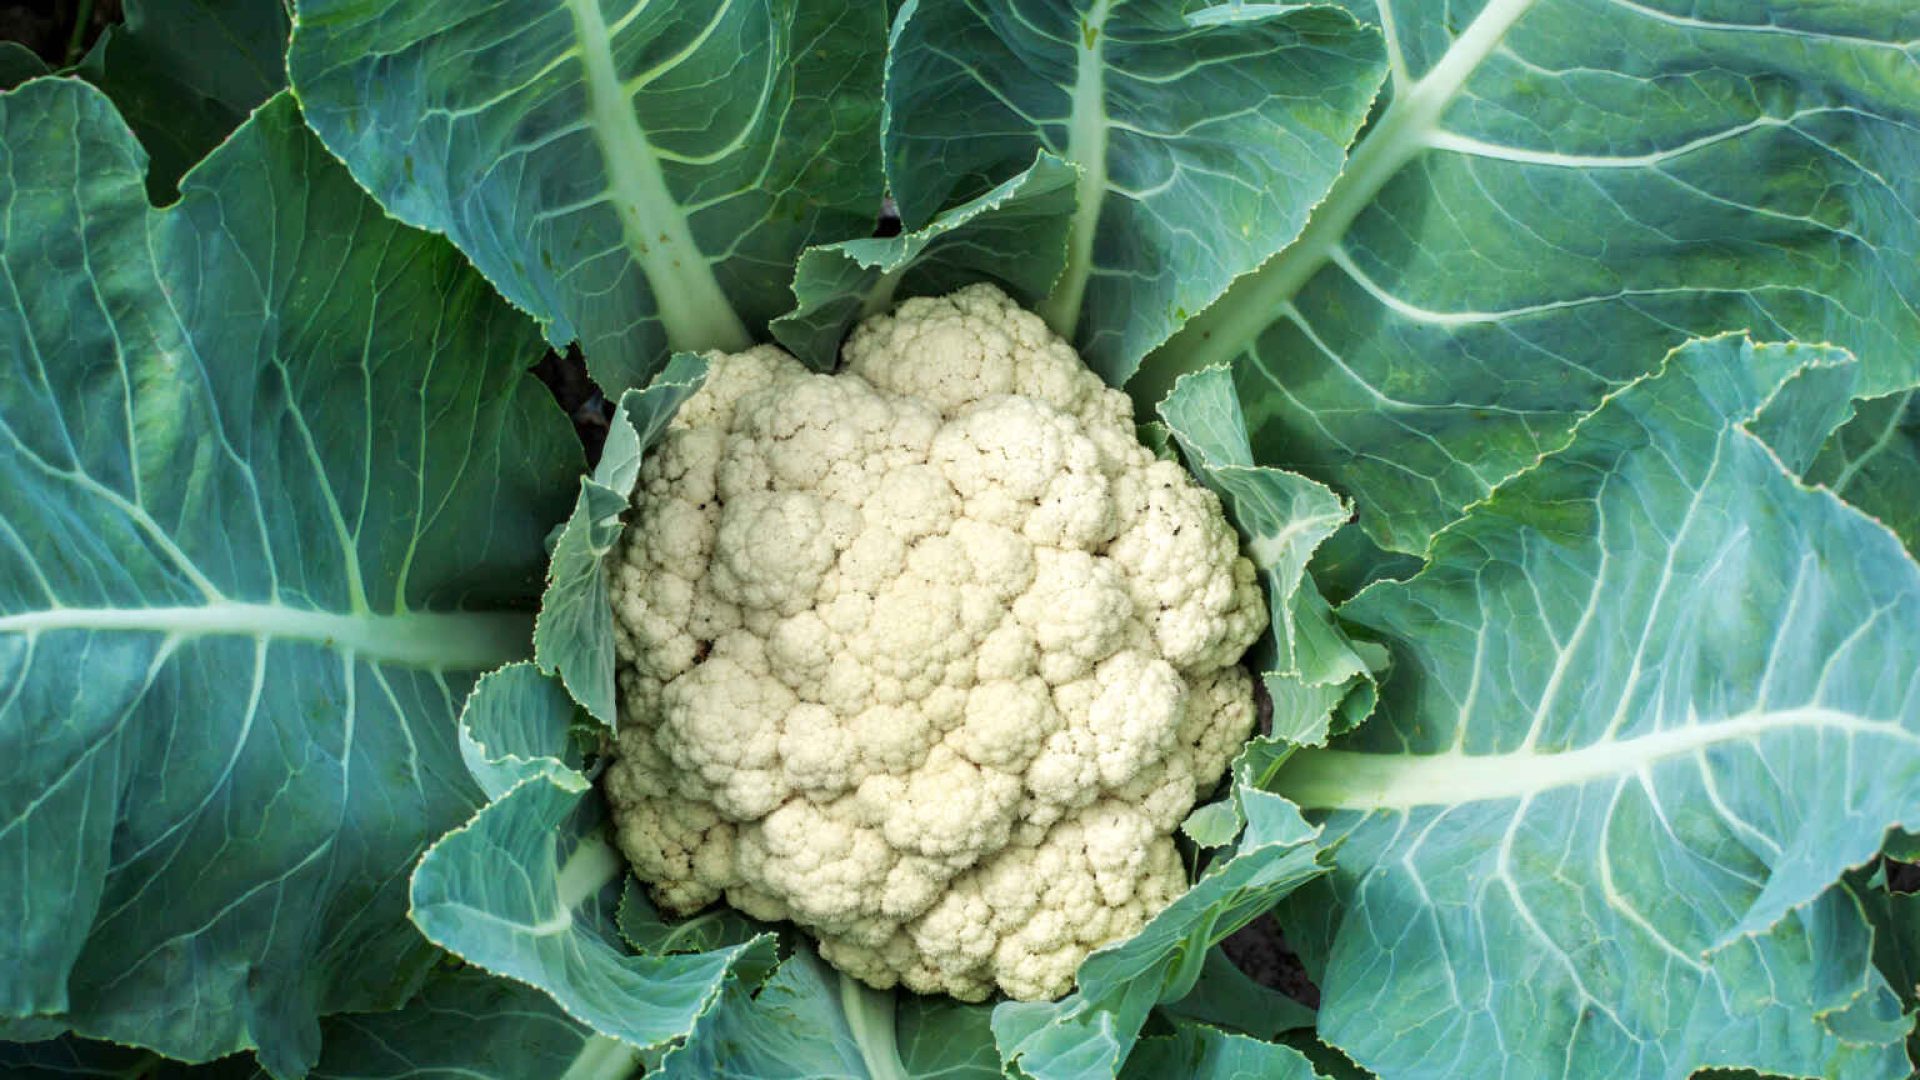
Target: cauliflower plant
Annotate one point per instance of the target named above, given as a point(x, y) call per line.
point(929, 657)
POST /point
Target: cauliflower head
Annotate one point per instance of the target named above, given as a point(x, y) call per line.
point(930, 656)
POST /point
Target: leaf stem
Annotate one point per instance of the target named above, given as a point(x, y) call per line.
point(691, 305)
point(82, 17)
point(603, 1058)
point(870, 1017)
point(1251, 304)
point(1087, 150)
point(588, 870)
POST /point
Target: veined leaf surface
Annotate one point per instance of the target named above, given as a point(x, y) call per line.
point(638, 176)
point(1014, 234)
point(530, 887)
point(1649, 702)
point(273, 486)
point(186, 73)
point(467, 1025)
point(1201, 143)
point(1873, 462)
point(1559, 192)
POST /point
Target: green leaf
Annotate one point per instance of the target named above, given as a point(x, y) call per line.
point(1895, 917)
point(574, 636)
point(943, 1039)
point(1648, 702)
point(1227, 997)
point(1201, 145)
point(231, 648)
point(468, 1025)
point(528, 889)
point(1090, 1032)
point(1874, 462)
point(186, 73)
point(75, 1059)
point(809, 1021)
point(1214, 824)
point(18, 64)
point(642, 926)
point(1015, 235)
point(1306, 662)
point(1558, 193)
point(1349, 561)
point(639, 177)
point(1198, 1052)
point(1902, 845)
point(515, 727)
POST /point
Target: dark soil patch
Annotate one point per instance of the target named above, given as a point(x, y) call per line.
point(59, 31)
point(1260, 950)
point(565, 375)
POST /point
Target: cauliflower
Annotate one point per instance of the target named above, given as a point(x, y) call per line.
point(929, 657)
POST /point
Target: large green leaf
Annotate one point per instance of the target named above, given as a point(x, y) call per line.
point(185, 73)
point(1202, 140)
point(640, 177)
point(1559, 192)
point(468, 1025)
point(273, 487)
point(574, 637)
point(530, 887)
point(18, 64)
point(1648, 702)
point(1014, 234)
point(464, 1025)
point(1874, 463)
point(77, 1059)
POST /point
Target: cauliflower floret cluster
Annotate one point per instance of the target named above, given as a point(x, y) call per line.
point(929, 657)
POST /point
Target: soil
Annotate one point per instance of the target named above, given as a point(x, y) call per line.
point(1260, 950)
point(565, 375)
point(48, 26)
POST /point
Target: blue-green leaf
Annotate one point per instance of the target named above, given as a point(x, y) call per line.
point(1014, 234)
point(1227, 997)
point(808, 1021)
point(528, 889)
point(1307, 664)
point(574, 637)
point(640, 177)
point(1649, 701)
point(1559, 192)
point(186, 73)
point(18, 64)
point(273, 489)
point(468, 1025)
point(1201, 145)
point(1198, 1052)
point(1873, 462)
point(642, 926)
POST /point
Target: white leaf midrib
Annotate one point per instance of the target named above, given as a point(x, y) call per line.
point(688, 299)
point(1087, 149)
point(1406, 129)
point(1354, 780)
point(464, 641)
